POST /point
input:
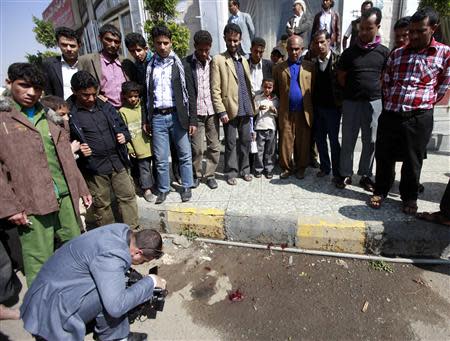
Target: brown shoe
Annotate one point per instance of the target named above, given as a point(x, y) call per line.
point(300, 174)
point(285, 174)
point(321, 174)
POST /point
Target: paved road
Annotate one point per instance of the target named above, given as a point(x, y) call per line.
point(291, 297)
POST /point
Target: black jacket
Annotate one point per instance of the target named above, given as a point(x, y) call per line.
point(266, 67)
point(116, 126)
point(53, 71)
point(186, 119)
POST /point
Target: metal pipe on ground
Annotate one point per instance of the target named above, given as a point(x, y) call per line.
point(329, 253)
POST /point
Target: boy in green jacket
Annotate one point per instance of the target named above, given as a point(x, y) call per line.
point(140, 145)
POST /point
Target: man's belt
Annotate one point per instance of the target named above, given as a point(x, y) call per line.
point(164, 111)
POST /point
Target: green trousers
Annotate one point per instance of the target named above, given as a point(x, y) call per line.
point(38, 238)
point(122, 186)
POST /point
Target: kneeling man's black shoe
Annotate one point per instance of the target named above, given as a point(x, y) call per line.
point(211, 183)
point(137, 336)
point(186, 194)
point(161, 197)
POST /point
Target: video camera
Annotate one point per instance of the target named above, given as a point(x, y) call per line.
point(153, 305)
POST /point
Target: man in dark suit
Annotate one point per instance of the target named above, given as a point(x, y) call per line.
point(85, 280)
point(259, 68)
point(59, 70)
point(169, 114)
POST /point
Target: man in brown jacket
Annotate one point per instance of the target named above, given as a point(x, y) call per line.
point(293, 84)
point(40, 184)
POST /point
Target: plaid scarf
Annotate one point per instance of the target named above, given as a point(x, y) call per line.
point(180, 67)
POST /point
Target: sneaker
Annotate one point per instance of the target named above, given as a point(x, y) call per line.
point(160, 198)
point(148, 195)
point(186, 194)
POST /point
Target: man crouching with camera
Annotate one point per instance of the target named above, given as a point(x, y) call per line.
point(85, 280)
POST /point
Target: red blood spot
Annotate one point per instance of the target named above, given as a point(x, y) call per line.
point(284, 245)
point(207, 268)
point(236, 296)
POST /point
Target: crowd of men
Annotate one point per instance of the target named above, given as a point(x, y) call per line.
point(72, 130)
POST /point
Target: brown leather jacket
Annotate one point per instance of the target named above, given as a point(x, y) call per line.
point(25, 180)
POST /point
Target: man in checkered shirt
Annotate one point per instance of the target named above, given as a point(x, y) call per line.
point(415, 78)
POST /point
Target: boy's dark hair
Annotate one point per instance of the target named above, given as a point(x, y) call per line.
point(53, 102)
point(318, 33)
point(365, 3)
point(257, 41)
point(202, 37)
point(426, 12)
point(68, 33)
point(236, 3)
point(267, 80)
point(28, 72)
point(83, 80)
point(402, 23)
point(135, 39)
point(108, 28)
point(372, 11)
point(149, 241)
point(129, 86)
point(232, 28)
point(159, 31)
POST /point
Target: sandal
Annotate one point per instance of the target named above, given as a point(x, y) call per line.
point(410, 207)
point(435, 217)
point(375, 201)
point(232, 181)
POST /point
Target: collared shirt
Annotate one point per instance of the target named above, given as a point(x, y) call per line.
point(235, 17)
point(416, 79)
point(325, 20)
point(297, 19)
point(112, 79)
point(67, 73)
point(204, 102)
point(244, 93)
point(256, 73)
point(323, 63)
point(295, 92)
point(94, 124)
point(163, 95)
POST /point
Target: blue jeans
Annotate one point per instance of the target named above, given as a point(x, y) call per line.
point(326, 122)
point(165, 128)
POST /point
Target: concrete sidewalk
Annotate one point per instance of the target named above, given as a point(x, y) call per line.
point(310, 213)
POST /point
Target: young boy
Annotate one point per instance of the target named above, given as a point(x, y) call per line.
point(137, 47)
point(139, 147)
point(265, 128)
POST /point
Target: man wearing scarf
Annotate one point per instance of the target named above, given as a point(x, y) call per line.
point(359, 72)
point(169, 115)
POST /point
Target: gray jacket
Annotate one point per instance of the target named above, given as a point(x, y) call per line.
point(94, 261)
point(245, 22)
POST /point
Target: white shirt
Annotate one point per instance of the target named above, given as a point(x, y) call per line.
point(67, 73)
point(162, 83)
point(256, 74)
point(323, 63)
point(325, 21)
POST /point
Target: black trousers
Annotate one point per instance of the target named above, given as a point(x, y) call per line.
point(237, 157)
point(445, 201)
point(402, 136)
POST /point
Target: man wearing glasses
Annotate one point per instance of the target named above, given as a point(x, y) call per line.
point(85, 281)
